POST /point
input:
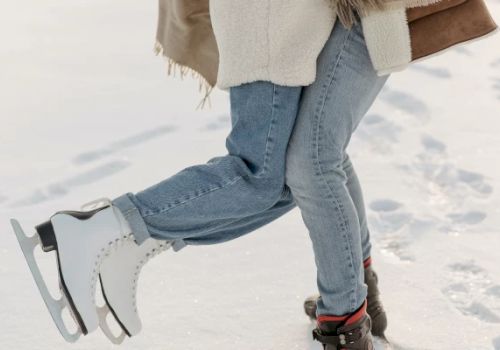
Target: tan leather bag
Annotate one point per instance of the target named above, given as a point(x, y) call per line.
point(447, 23)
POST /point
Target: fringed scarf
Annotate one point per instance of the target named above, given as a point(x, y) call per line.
point(347, 10)
point(185, 36)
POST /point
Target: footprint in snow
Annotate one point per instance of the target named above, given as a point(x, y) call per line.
point(449, 188)
point(433, 145)
point(496, 343)
point(441, 73)
point(385, 205)
point(442, 178)
point(221, 122)
point(393, 227)
point(132, 141)
point(475, 181)
point(496, 83)
point(496, 63)
point(472, 292)
point(496, 86)
point(380, 134)
point(469, 218)
point(63, 187)
point(406, 102)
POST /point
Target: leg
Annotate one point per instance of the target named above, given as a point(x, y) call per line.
point(240, 227)
point(318, 173)
point(354, 188)
point(250, 179)
point(243, 226)
point(251, 223)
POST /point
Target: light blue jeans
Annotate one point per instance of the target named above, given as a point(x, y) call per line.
point(245, 189)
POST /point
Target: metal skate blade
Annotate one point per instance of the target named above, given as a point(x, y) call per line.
point(55, 307)
point(103, 313)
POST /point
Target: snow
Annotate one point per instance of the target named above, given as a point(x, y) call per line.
point(87, 111)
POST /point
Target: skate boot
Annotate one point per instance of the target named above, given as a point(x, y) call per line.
point(374, 308)
point(118, 276)
point(345, 333)
point(81, 241)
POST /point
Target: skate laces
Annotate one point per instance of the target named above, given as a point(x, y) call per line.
point(158, 249)
point(117, 243)
point(112, 245)
point(104, 253)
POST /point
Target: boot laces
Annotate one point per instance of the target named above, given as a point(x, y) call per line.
point(158, 249)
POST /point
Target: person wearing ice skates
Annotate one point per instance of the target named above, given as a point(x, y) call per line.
point(301, 74)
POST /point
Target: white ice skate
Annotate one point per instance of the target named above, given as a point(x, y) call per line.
point(81, 240)
point(119, 274)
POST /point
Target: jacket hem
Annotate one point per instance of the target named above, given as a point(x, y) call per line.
point(387, 37)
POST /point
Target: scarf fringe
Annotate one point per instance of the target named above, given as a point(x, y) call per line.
point(348, 10)
point(175, 69)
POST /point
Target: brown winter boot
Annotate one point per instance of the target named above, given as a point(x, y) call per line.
point(374, 309)
point(345, 332)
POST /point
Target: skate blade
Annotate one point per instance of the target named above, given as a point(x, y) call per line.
point(103, 313)
point(55, 307)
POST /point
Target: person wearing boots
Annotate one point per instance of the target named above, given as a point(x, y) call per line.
point(301, 74)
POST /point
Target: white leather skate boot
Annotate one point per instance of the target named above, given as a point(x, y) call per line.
point(119, 275)
point(81, 240)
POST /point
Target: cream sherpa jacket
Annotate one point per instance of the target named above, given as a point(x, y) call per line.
point(271, 40)
point(280, 40)
point(232, 42)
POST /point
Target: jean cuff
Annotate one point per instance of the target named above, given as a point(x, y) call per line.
point(133, 217)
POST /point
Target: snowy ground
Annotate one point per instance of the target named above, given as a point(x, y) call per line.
point(87, 111)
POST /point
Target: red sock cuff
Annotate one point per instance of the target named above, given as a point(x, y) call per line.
point(367, 262)
point(350, 319)
point(330, 318)
point(358, 315)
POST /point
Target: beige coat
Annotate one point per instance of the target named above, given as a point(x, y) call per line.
point(231, 42)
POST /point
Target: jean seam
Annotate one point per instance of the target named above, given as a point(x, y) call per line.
point(344, 225)
point(269, 139)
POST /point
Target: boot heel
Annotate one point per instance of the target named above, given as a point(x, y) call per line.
point(47, 236)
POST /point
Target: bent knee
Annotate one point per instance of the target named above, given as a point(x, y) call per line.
point(301, 174)
point(312, 173)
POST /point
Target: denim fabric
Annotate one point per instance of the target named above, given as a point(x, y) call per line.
point(248, 181)
point(233, 195)
point(320, 174)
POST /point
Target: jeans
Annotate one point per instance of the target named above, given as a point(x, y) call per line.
point(235, 194)
point(209, 203)
point(320, 174)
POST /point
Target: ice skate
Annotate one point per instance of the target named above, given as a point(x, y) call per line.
point(81, 240)
point(119, 274)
